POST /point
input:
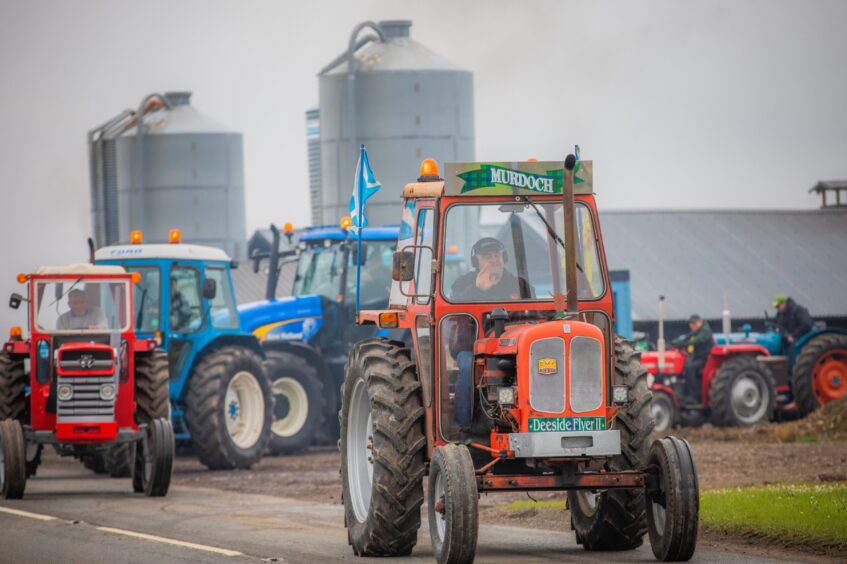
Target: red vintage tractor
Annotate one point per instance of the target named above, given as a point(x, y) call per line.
point(516, 381)
point(736, 390)
point(91, 386)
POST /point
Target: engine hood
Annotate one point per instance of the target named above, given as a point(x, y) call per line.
point(286, 319)
point(770, 341)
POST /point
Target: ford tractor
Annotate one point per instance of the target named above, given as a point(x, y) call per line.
point(220, 397)
point(306, 336)
point(83, 380)
point(751, 378)
point(515, 380)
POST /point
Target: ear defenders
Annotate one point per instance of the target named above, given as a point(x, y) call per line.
point(485, 243)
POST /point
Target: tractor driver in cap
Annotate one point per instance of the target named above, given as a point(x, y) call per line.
point(698, 343)
point(793, 319)
point(489, 281)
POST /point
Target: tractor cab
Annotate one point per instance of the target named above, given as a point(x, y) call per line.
point(517, 381)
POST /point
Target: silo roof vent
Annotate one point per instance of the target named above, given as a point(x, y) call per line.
point(395, 28)
point(178, 98)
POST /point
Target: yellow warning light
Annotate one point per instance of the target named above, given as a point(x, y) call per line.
point(388, 320)
point(288, 228)
point(429, 168)
point(532, 160)
point(16, 332)
point(452, 249)
point(22, 278)
point(174, 236)
point(136, 237)
point(136, 277)
point(345, 222)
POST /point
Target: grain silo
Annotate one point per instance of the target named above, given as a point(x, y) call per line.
point(186, 173)
point(408, 104)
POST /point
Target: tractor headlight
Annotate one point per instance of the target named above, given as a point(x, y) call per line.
point(107, 392)
point(65, 392)
point(619, 394)
point(506, 396)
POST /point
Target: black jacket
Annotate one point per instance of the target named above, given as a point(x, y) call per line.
point(509, 288)
point(699, 343)
point(795, 320)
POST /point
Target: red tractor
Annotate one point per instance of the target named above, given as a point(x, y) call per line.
point(515, 380)
point(737, 389)
point(90, 387)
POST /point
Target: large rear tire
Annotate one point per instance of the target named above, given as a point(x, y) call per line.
point(820, 372)
point(228, 409)
point(152, 390)
point(453, 499)
point(663, 411)
point(13, 381)
point(673, 507)
point(616, 519)
point(742, 393)
point(382, 449)
point(117, 460)
point(12, 459)
point(299, 402)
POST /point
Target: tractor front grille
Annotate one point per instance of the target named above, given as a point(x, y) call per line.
point(547, 375)
point(85, 405)
point(586, 374)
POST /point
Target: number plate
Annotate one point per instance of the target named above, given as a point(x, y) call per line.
point(566, 424)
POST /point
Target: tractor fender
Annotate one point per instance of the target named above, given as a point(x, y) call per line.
point(804, 340)
point(666, 389)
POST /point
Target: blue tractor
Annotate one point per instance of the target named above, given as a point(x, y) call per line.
point(220, 396)
point(808, 374)
point(306, 336)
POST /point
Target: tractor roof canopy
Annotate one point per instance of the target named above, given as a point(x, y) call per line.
point(161, 251)
point(80, 269)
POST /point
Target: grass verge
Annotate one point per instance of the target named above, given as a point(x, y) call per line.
point(801, 514)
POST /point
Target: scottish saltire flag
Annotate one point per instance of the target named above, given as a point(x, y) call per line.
point(364, 187)
point(407, 221)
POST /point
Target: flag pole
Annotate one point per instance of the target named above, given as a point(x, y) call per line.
point(361, 172)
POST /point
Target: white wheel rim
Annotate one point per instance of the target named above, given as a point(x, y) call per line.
point(588, 501)
point(659, 518)
point(359, 459)
point(298, 407)
point(661, 414)
point(244, 410)
point(749, 399)
point(440, 518)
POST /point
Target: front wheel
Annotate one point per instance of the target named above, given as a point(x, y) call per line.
point(12, 459)
point(154, 458)
point(382, 449)
point(228, 409)
point(453, 505)
point(299, 402)
point(673, 500)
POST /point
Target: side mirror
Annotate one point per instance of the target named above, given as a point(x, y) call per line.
point(15, 301)
point(403, 267)
point(210, 289)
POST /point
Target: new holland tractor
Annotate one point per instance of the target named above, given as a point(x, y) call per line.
point(515, 380)
point(220, 396)
point(306, 336)
point(83, 380)
point(751, 378)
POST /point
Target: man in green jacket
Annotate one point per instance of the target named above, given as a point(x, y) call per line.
point(698, 343)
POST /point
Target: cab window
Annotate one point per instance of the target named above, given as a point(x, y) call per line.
point(222, 306)
point(186, 306)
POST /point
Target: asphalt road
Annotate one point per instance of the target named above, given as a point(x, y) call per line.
point(70, 515)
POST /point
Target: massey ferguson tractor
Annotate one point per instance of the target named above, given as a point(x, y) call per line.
point(516, 382)
point(90, 385)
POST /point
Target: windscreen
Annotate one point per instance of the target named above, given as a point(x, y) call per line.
point(81, 306)
point(516, 252)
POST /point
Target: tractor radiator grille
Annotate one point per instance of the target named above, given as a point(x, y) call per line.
point(85, 405)
point(586, 374)
point(547, 375)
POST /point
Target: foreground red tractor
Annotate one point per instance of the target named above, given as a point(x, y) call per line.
point(91, 389)
point(516, 382)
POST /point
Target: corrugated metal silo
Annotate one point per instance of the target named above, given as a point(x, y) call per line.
point(409, 103)
point(313, 147)
point(186, 173)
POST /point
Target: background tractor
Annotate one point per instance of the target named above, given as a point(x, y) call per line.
point(83, 381)
point(752, 377)
point(220, 396)
point(306, 336)
point(515, 380)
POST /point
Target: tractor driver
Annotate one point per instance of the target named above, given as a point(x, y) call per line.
point(490, 281)
point(792, 318)
point(698, 343)
point(80, 314)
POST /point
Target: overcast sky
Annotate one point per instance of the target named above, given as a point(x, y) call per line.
point(719, 104)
